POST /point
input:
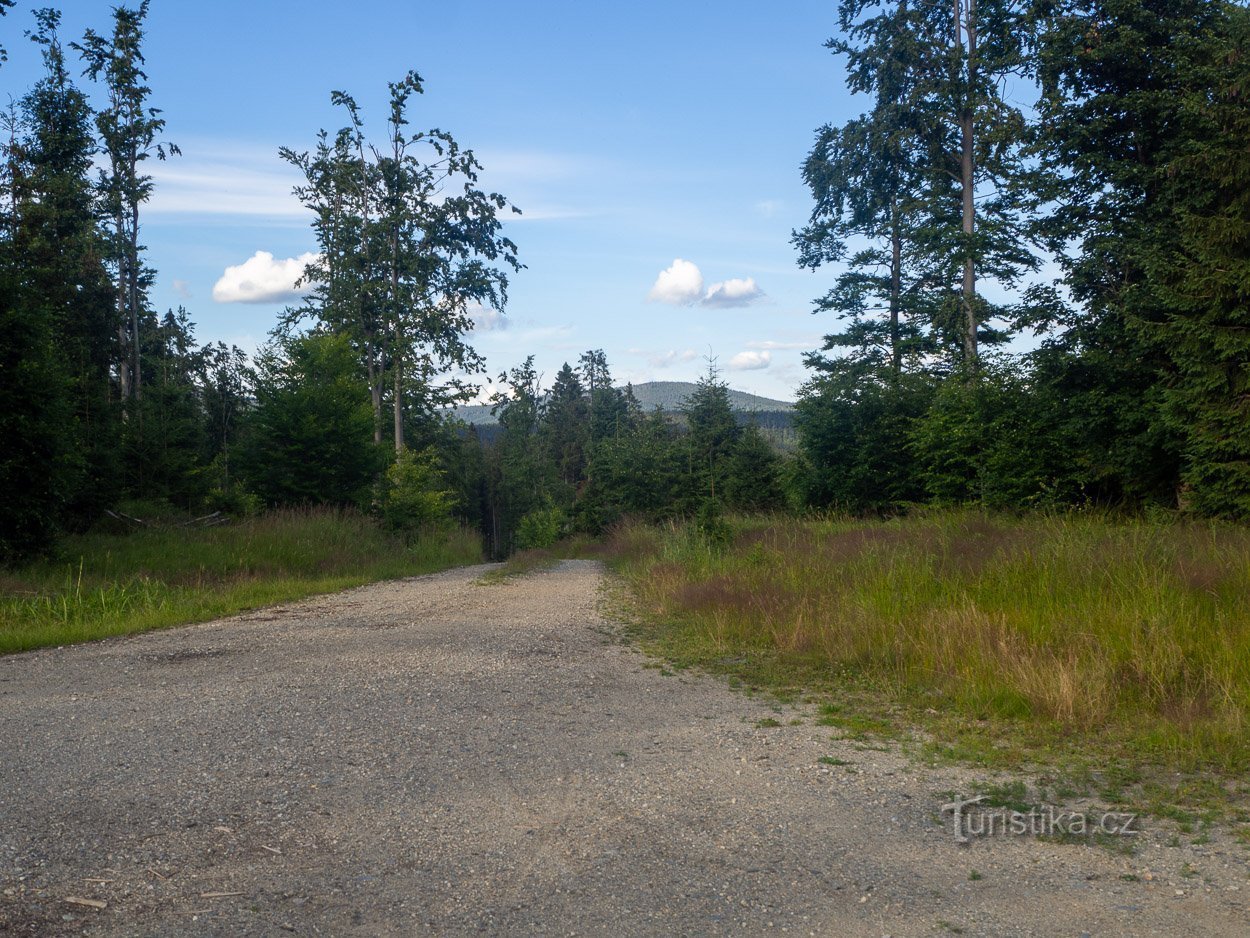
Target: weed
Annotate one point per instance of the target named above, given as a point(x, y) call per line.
point(1011, 795)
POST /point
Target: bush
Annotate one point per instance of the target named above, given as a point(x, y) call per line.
point(541, 528)
point(415, 494)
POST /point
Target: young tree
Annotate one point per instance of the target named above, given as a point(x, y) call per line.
point(565, 426)
point(753, 477)
point(408, 246)
point(226, 389)
point(712, 432)
point(166, 459)
point(310, 438)
point(523, 478)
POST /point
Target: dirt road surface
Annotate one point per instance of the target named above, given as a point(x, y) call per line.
point(443, 756)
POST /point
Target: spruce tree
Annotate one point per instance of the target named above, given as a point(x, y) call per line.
point(128, 128)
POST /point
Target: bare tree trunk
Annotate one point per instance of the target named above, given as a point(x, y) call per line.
point(373, 371)
point(896, 289)
point(398, 391)
point(123, 319)
point(132, 250)
point(968, 179)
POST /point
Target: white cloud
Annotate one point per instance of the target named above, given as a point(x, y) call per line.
point(262, 278)
point(750, 361)
point(487, 320)
point(767, 207)
point(733, 293)
point(227, 186)
point(681, 284)
point(672, 357)
point(183, 288)
point(771, 345)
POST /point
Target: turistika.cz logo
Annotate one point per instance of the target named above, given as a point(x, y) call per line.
point(972, 820)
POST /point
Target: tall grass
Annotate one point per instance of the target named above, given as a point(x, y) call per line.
point(1133, 632)
point(113, 584)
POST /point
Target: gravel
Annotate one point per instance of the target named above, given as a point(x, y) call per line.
point(447, 756)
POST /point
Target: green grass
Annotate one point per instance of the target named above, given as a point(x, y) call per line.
point(117, 584)
point(1079, 639)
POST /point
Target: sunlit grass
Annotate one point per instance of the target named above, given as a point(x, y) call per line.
point(1073, 630)
point(115, 584)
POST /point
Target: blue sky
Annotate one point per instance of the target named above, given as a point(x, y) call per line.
point(631, 135)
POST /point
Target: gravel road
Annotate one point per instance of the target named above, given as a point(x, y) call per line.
point(439, 755)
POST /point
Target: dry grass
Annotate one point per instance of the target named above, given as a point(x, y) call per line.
point(1082, 626)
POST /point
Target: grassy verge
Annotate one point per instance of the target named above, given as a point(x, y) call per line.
point(116, 584)
point(1119, 650)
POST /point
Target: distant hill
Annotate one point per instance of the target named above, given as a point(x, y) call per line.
point(667, 395)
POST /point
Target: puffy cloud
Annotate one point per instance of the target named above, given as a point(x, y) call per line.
point(262, 278)
point(751, 361)
point(681, 284)
point(733, 293)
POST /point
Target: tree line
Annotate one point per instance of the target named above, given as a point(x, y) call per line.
point(106, 402)
point(1109, 140)
point(1002, 139)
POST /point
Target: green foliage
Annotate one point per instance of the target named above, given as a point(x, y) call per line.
point(59, 428)
point(1143, 135)
point(541, 528)
point(414, 494)
point(854, 431)
point(1203, 278)
point(638, 472)
point(710, 523)
point(409, 245)
point(753, 476)
point(711, 436)
point(310, 439)
point(977, 443)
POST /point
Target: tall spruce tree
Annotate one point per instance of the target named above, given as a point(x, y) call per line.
point(932, 175)
point(128, 128)
point(1204, 282)
point(868, 183)
point(55, 316)
point(1141, 132)
point(63, 252)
